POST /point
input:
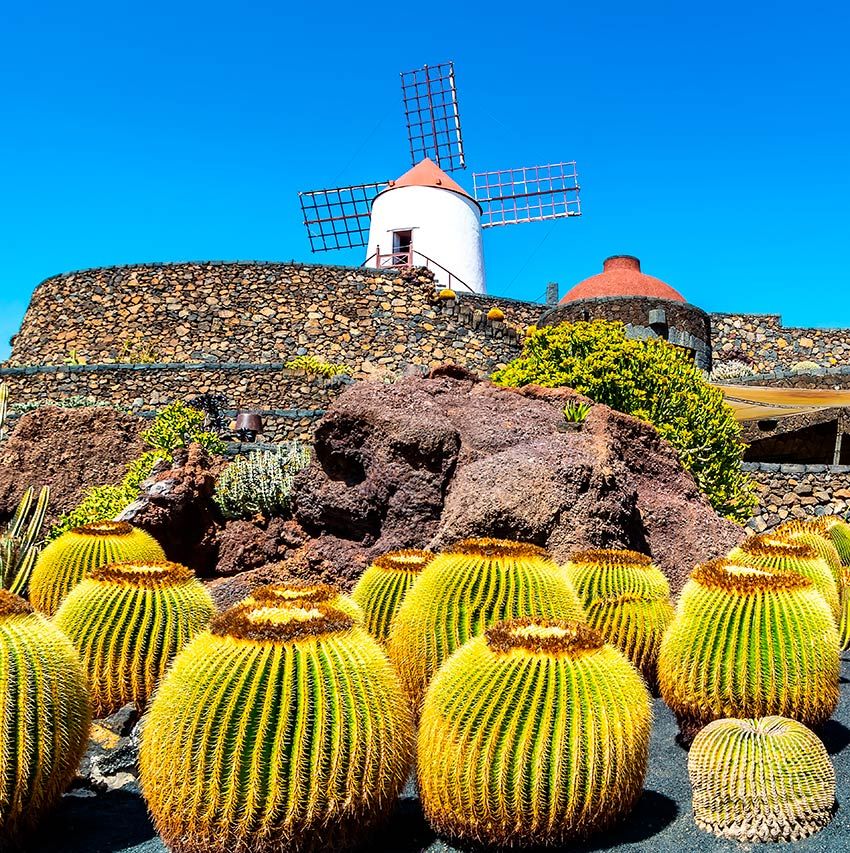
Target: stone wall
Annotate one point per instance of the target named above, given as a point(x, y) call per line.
point(795, 491)
point(772, 347)
point(264, 313)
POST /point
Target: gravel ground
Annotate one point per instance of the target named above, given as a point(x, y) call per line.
point(661, 823)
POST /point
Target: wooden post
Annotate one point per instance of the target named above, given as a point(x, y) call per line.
point(839, 434)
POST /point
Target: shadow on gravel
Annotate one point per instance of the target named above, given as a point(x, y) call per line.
point(835, 736)
point(106, 824)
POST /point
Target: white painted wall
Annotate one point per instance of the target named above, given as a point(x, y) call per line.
point(446, 228)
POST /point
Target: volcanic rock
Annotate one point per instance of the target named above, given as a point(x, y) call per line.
point(68, 450)
point(424, 462)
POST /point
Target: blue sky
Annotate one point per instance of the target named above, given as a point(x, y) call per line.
point(712, 141)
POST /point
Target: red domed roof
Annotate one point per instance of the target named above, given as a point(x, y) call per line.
point(621, 276)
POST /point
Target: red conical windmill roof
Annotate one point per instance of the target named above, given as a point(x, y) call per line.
point(426, 173)
point(621, 276)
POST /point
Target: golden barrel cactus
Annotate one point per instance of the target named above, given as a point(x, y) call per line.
point(383, 586)
point(812, 532)
point(768, 779)
point(128, 621)
point(838, 531)
point(463, 591)
point(627, 599)
point(749, 642)
point(67, 559)
point(535, 733)
point(302, 594)
point(44, 715)
point(769, 551)
point(280, 728)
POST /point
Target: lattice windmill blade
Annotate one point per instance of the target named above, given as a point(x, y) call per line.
point(527, 194)
point(429, 96)
point(338, 218)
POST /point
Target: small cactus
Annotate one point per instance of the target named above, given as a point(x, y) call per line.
point(67, 560)
point(627, 599)
point(383, 586)
point(128, 621)
point(464, 591)
point(773, 552)
point(446, 293)
point(496, 314)
point(280, 728)
point(768, 779)
point(305, 594)
point(44, 715)
point(749, 642)
point(535, 733)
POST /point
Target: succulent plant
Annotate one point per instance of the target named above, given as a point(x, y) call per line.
point(128, 621)
point(495, 314)
point(463, 591)
point(815, 534)
point(44, 715)
point(768, 779)
point(838, 531)
point(627, 599)
point(67, 560)
point(383, 586)
point(749, 642)
point(535, 733)
point(304, 594)
point(769, 551)
point(280, 728)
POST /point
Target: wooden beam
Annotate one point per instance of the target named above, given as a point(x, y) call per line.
point(839, 435)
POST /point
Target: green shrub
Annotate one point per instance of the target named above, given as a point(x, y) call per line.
point(316, 366)
point(654, 381)
point(260, 482)
point(179, 425)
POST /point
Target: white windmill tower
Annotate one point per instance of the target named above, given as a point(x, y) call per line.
point(425, 218)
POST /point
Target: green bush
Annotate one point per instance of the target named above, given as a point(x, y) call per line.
point(654, 381)
point(179, 425)
point(316, 366)
point(260, 483)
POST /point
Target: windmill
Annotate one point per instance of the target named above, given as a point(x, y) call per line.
point(425, 218)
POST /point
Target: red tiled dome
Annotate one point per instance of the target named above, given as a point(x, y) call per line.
point(621, 276)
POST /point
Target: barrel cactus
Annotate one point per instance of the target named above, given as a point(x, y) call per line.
point(44, 715)
point(627, 599)
point(535, 733)
point(768, 779)
point(465, 590)
point(304, 594)
point(749, 642)
point(128, 621)
point(67, 559)
point(770, 552)
point(383, 586)
point(838, 531)
point(280, 728)
point(814, 533)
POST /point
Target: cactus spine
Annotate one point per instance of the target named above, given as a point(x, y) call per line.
point(305, 595)
point(281, 728)
point(383, 586)
point(627, 600)
point(67, 559)
point(44, 715)
point(772, 552)
point(128, 621)
point(838, 531)
point(465, 590)
point(748, 642)
point(761, 780)
point(536, 733)
point(810, 532)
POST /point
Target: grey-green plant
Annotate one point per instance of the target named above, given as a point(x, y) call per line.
point(19, 542)
point(260, 482)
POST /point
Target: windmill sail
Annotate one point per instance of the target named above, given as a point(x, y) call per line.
point(338, 218)
point(527, 194)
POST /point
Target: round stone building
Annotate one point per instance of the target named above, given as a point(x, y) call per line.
point(646, 305)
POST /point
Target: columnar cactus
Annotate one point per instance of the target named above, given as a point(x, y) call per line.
point(44, 715)
point(304, 594)
point(128, 621)
point(465, 590)
point(814, 533)
point(535, 733)
point(748, 642)
point(383, 586)
point(627, 599)
point(66, 560)
point(772, 552)
point(280, 728)
point(768, 779)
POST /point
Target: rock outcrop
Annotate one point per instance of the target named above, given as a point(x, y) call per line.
point(424, 462)
point(68, 450)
